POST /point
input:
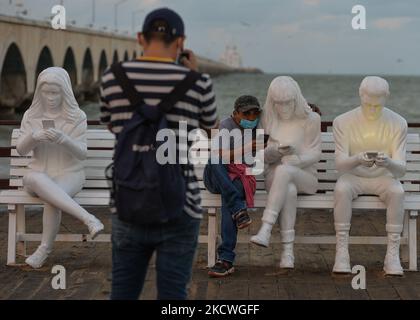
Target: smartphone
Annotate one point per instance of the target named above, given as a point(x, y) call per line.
point(48, 124)
point(372, 154)
point(183, 54)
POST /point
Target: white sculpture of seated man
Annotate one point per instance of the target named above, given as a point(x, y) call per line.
point(54, 128)
point(370, 156)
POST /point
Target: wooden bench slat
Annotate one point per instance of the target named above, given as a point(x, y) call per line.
point(90, 144)
point(328, 137)
point(91, 154)
point(89, 183)
point(325, 201)
point(91, 134)
point(331, 176)
point(103, 183)
point(81, 194)
point(92, 173)
point(328, 165)
point(23, 162)
point(213, 200)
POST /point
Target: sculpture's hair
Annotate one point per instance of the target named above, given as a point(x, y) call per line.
point(60, 77)
point(374, 86)
point(282, 85)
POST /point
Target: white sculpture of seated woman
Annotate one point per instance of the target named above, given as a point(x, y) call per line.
point(54, 128)
point(294, 147)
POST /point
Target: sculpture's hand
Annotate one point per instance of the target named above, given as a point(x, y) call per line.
point(364, 160)
point(41, 136)
point(55, 135)
point(286, 151)
point(272, 154)
point(291, 160)
point(382, 160)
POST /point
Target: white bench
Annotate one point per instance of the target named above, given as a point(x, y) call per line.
point(324, 199)
point(96, 193)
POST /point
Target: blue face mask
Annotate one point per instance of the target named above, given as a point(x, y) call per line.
point(247, 124)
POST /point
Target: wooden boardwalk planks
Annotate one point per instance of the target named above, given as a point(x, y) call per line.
point(257, 276)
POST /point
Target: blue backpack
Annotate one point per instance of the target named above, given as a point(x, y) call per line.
point(144, 191)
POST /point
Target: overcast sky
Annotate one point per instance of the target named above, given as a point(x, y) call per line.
point(279, 36)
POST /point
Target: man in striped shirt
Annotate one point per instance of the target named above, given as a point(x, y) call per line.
point(155, 75)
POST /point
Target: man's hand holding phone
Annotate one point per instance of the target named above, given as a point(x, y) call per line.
point(189, 60)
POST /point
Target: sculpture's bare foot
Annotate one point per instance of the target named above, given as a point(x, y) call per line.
point(37, 259)
point(95, 226)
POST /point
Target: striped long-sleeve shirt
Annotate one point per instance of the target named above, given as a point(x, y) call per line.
point(154, 80)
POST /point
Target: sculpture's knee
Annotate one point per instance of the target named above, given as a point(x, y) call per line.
point(291, 191)
point(343, 189)
point(396, 192)
point(31, 179)
point(283, 173)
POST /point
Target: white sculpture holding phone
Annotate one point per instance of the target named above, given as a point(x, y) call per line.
point(54, 128)
point(370, 156)
point(292, 151)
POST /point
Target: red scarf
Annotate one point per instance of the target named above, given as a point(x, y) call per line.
point(248, 181)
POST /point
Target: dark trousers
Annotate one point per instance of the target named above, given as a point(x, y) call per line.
point(132, 247)
point(216, 180)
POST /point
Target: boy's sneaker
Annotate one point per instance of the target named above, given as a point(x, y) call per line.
point(221, 269)
point(242, 219)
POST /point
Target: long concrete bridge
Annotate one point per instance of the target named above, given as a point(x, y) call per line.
point(27, 47)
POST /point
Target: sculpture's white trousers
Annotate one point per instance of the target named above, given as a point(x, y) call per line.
point(283, 183)
point(57, 193)
point(389, 190)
